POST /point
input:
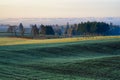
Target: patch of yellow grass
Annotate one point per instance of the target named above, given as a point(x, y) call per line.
point(18, 41)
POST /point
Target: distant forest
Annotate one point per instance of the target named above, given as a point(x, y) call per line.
point(81, 29)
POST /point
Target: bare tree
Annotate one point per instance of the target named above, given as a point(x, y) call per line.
point(12, 29)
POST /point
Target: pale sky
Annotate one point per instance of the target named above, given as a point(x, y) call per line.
point(59, 8)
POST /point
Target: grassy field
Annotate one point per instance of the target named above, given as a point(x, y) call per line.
point(73, 59)
point(16, 41)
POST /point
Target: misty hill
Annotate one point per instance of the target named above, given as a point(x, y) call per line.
point(59, 21)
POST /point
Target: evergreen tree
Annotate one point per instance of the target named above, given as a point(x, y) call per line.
point(93, 27)
point(34, 30)
point(43, 30)
point(21, 29)
point(49, 30)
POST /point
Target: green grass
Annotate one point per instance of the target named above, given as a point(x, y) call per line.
point(84, 60)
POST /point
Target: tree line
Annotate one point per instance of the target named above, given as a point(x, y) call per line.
point(35, 30)
point(87, 28)
point(93, 28)
point(83, 28)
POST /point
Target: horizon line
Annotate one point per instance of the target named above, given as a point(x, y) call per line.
point(57, 17)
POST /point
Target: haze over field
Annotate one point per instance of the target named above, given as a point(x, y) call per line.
point(60, 21)
point(58, 11)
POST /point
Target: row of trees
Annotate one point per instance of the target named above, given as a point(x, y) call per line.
point(13, 29)
point(35, 30)
point(93, 27)
point(43, 30)
point(86, 28)
point(83, 28)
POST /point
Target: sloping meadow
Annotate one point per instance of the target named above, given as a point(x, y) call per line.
point(85, 60)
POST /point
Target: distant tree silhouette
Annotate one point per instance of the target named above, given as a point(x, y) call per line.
point(12, 29)
point(43, 29)
point(69, 31)
point(21, 29)
point(67, 27)
point(34, 31)
point(62, 31)
point(74, 30)
point(82, 28)
point(49, 30)
point(59, 32)
point(102, 27)
point(93, 27)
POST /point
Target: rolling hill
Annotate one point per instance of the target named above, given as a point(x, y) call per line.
point(81, 60)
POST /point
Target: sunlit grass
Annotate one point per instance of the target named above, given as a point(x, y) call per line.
point(16, 41)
